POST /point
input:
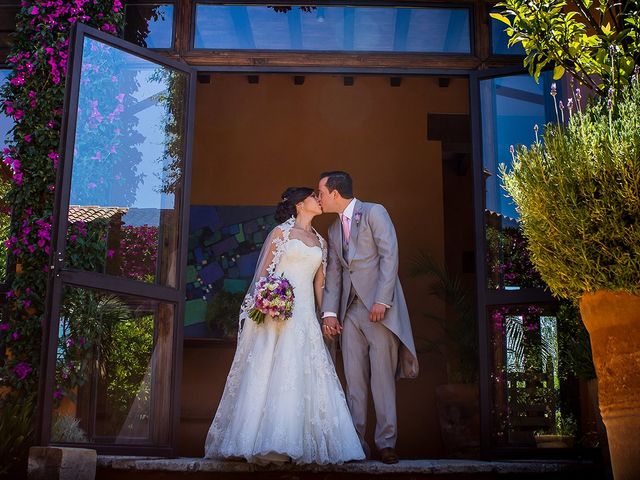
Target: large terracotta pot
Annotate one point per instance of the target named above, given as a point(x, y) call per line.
point(613, 322)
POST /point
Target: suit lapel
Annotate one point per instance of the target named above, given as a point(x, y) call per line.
point(355, 229)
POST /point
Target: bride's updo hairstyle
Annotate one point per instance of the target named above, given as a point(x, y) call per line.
point(290, 198)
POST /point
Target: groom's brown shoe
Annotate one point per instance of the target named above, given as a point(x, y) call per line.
point(388, 456)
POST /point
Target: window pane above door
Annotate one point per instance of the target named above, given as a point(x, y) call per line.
point(324, 28)
point(150, 26)
point(127, 166)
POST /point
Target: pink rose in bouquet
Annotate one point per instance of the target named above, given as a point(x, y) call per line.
point(273, 297)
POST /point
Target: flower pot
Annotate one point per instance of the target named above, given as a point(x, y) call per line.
point(459, 417)
point(613, 322)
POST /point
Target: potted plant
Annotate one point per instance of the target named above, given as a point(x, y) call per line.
point(564, 434)
point(223, 311)
point(458, 400)
point(578, 192)
point(578, 195)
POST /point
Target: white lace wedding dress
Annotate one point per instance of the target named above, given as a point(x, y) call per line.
point(283, 399)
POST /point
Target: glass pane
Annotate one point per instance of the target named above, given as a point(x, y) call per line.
point(7, 24)
point(150, 26)
point(500, 40)
point(113, 357)
point(511, 107)
point(534, 384)
point(239, 27)
point(6, 123)
point(127, 166)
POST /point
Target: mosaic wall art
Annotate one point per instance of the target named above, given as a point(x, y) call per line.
point(224, 245)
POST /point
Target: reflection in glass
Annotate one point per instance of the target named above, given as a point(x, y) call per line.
point(7, 24)
point(5, 183)
point(387, 29)
point(127, 166)
point(111, 382)
point(150, 26)
point(525, 375)
point(511, 108)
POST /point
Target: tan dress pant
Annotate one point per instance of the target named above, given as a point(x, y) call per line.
point(370, 356)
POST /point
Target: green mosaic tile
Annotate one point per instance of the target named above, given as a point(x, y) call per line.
point(195, 311)
point(235, 286)
point(192, 274)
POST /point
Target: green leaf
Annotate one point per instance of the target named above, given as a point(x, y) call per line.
point(558, 72)
point(502, 18)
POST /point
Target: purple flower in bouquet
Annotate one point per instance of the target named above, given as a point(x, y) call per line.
point(273, 297)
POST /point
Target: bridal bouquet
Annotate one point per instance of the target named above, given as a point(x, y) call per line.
point(274, 297)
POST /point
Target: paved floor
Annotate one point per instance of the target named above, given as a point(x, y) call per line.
point(116, 467)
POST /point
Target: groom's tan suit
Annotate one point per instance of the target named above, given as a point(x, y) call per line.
point(360, 272)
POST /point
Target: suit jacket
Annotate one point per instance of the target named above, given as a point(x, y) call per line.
point(371, 269)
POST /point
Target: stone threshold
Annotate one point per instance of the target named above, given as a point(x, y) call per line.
point(433, 467)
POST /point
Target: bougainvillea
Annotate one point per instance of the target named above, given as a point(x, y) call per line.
point(138, 252)
point(33, 97)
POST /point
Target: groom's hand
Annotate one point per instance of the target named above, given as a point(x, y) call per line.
point(377, 312)
point(331, 326)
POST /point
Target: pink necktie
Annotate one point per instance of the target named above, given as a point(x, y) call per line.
point(345, 228)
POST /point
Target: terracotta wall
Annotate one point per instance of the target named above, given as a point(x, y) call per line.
point(254, 140)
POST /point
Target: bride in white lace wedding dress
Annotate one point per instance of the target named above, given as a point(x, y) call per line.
point(283, 400)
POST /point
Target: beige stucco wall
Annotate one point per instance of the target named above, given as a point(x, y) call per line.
point(254, 140)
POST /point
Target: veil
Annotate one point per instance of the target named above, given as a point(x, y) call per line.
point(270, 254)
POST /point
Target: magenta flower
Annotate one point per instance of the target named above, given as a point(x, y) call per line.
point(34, 11)
point(22, 370)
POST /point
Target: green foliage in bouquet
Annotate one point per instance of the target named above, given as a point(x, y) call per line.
point(578, 194)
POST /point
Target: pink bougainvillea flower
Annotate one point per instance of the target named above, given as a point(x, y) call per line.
point(28, 137)
point(22, 370)
point(34, 11)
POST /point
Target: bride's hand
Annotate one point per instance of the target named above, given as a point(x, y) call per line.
point(331, 326)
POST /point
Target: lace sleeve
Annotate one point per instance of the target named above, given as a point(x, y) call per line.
point(270, 254)
point(323, 245)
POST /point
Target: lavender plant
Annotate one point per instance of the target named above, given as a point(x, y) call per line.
point(578, 195)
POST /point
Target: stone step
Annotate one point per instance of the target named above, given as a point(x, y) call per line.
point(138, 468)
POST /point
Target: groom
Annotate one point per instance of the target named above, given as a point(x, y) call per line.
point(363, 300)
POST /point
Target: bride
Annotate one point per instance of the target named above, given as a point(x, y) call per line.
point(283, 400)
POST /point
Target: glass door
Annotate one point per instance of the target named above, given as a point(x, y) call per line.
point(519, 355)
point(117, 287)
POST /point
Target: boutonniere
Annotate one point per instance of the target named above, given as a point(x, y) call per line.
point(357, 217)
